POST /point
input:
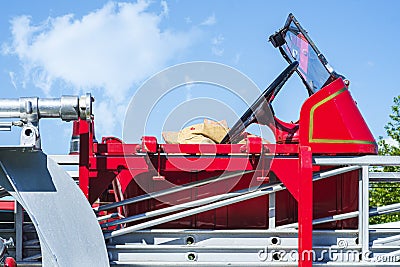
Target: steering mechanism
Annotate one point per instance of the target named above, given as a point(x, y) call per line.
point(261, 110)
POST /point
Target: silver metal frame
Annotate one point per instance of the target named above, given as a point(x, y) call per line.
point(165, 247)
point(143, 245)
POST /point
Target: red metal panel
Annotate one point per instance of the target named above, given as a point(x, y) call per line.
point(10, 262)
point(8, 205)
point(149, 144)
point(119, 149)
point(180, 164)
point(85, 153)
point(179, 169)
point(330, 122)
point(227, 163)
point(305, 204)
point(248, 214)
point(253, 145)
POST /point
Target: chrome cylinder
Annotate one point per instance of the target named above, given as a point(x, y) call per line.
point(31, 109)
point(9, 108)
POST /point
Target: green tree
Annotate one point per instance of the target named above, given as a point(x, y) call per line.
point(388, 193)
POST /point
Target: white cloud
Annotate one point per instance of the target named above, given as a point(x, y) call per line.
point(217, 40)
point(188, 20)
point(236, 59)
point(217, 51)
point(12, 79)
point(109, 50)
point(165, 9)
point(107, 119)
point(211, 20)
point(216, 48)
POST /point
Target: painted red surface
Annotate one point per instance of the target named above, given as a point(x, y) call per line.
point(330, 124)
point(10, 262)
point(334, 195)
point(8, 205)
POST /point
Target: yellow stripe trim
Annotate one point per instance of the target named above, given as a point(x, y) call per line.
point(330, 141)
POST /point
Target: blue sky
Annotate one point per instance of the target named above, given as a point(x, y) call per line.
point(50, 48)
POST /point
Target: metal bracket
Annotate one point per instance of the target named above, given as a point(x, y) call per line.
point(31, 109)
point(5, 126)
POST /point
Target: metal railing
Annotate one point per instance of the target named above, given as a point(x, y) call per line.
point(368, 239)
point(344, 164)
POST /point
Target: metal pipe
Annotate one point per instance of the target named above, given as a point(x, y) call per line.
point(368, 160)
point(271, 210)
point(385, 209)
point(384, 176)
point(187, 213)
point(33, 108)
point(231, 200)
point(332, 218)
point(182, 206)
point(338, 217)
point(170, 190)
point(330, 173)
point(316, 177)
point(108, 216)
point(365, 211)
point(372, 212)
point(385, 240)
point(51, 107)
point(9, 108)
point(360, 208)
